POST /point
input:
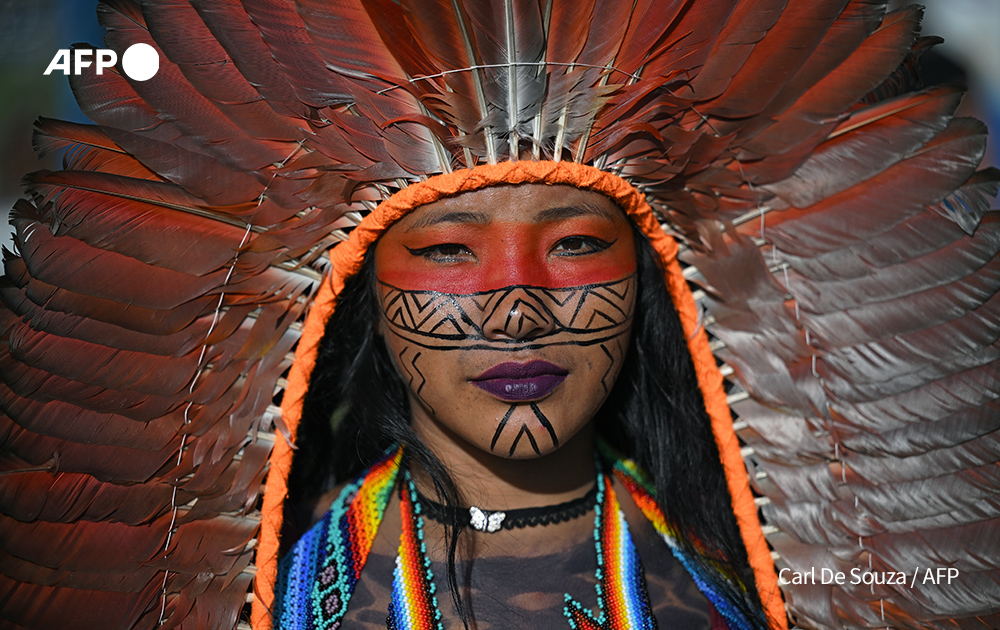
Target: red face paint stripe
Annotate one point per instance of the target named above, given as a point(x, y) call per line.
point(490, 278)
point(559, 239)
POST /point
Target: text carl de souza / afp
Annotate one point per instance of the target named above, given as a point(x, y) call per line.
point(825, 575)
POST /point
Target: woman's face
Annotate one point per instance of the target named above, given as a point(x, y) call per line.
point(508, 313)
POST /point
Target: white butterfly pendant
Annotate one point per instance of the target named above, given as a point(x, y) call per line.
point(485, 522)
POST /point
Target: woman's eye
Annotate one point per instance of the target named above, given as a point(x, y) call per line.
point(444, 252)
point(580, 245)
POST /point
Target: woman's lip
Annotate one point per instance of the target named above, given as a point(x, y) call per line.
point(530, 369)
point(521, 382)
point(521, 389)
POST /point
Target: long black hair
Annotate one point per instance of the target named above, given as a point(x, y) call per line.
point(356, 408)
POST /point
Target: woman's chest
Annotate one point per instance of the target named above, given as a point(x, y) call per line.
point(533, 590)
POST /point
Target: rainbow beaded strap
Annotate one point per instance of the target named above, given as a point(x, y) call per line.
point(635, 481)
point(622, 602)
point(317, 577)
point(414, 605)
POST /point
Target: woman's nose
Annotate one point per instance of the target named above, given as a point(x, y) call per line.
point(518, 314)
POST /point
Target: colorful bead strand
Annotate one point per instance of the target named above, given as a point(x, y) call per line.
point(621, 586)
point(414, 605)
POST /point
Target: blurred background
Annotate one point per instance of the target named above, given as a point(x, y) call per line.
point(31, 31)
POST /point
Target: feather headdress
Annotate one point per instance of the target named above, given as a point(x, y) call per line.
point(832, 215)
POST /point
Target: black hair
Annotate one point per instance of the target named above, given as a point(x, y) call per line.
point(356, 408)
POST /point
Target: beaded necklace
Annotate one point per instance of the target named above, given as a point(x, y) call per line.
point(621, 588)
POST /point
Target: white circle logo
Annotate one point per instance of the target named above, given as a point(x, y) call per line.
point(140, 62)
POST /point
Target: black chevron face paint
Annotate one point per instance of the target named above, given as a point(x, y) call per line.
point(526, 316)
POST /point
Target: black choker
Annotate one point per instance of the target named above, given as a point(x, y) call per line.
point(492, 521)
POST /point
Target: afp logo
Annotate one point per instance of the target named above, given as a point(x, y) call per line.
point(139, 62)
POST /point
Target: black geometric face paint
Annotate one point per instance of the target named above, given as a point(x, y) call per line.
point(524, 430)
point(531, 317)
point(597, 317)
point(606, 379)
point(417, 380)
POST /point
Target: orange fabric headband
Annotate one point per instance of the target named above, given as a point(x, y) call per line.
point(346, 259)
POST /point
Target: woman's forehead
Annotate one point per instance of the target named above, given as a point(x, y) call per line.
point(522, 203)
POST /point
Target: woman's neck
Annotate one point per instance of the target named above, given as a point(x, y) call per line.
point(497, 483)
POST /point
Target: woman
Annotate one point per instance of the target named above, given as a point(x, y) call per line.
point(504, 329)
point(834, 217)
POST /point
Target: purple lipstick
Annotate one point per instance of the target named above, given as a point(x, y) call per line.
point(521, 382)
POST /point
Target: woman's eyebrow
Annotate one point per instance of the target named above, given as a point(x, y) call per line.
point(543, 216)
point(576, 210)
point(477, 218)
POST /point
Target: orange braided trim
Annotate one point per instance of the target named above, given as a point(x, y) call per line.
point(346, 259)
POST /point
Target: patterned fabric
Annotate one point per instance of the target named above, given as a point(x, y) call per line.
point(317, 577)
